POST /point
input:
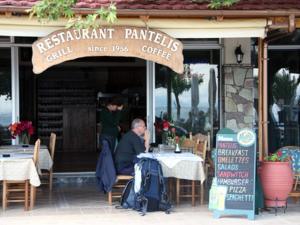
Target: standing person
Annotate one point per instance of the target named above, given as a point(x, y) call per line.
point(110, 117)
point(132, 143)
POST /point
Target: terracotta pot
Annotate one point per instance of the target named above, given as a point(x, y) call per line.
point(277, 182)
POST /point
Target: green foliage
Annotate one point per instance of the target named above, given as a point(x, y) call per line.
point(277, 157)
point(179, 85)
point(5, 85)
point(92, 20)
point(284, 88)
point(216, 4)
point(52, 10)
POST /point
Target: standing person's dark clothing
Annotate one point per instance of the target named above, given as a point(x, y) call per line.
point(128, 148)
point(110, 125)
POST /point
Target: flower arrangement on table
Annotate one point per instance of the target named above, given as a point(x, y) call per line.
point(167, 131)
point(23, 129)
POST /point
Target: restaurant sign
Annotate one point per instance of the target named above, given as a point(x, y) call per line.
point(148, 44)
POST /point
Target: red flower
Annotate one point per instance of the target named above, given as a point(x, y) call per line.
point(166, 125)
point(21, 127)
point(279, 154)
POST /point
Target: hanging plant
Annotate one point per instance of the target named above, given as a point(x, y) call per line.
point(217, 4)
point(52, 10)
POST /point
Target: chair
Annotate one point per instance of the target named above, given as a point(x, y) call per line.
point(46, 175)
point(118, 187)
point(190, 145)
point(199, 147)
point(203, 150)
point(294, 153)
point(18, 191)
point(36, 153)
point(107, 179)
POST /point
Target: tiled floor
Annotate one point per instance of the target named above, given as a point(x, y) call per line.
point(80, 203)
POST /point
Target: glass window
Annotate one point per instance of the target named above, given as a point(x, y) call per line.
point(5, 95)
point(284, 98)
point(190, 100)
point(293, 39)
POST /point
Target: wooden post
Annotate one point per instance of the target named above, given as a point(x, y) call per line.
point(265, 98)
point(260, 99)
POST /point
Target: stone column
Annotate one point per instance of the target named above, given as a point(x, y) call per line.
point(238, 96)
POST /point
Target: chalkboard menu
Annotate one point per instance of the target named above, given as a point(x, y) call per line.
point(233, 189)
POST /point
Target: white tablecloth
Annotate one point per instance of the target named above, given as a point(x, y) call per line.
point(17, 151)
point(19, 169)
point(183, 165)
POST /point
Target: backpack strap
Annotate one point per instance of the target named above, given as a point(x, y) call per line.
point(164, 203)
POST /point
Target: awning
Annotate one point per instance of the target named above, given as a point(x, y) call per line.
point(177, 28)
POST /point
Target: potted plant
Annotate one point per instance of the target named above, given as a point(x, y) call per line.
point(277, 179)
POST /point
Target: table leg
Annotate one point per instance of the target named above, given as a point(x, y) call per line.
point(177, 190)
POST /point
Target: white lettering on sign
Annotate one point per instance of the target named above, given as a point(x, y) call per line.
point(151, 36)
point(70, 44)
point(156, 51)
point(58, 54)
point(71, 35)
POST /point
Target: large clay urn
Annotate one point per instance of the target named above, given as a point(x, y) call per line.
point(277, 182)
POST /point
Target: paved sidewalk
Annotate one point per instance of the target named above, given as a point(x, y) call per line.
point(81, 203)
point(184, 215)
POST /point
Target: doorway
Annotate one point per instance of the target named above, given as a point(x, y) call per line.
point(66, 99)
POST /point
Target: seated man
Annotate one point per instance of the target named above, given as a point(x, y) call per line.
point(132, 143)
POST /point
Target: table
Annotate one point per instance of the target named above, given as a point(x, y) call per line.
point(19, 165)
point(19, 169)
point(183, 165)
point(44, 161)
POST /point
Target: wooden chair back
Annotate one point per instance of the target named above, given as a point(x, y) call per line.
point(52, 143)
point(203, 144)
point(36, 151)
point(189, 144)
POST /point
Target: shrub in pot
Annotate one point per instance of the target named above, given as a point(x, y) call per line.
point(277, 179)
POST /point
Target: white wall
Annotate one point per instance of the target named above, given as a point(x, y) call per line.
point(229, 46)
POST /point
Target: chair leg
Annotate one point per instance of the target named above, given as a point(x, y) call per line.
point(193, 193)
point(296, 183)
point(4, 195)
point(201, 193)
point(177, 191)
point(32, 196)
point(110, 198)
point(50, 179)
point(26, 200)
point(206, 173)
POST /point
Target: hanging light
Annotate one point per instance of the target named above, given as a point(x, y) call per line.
point(239, 54)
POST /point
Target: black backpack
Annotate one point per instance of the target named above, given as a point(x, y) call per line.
point(152, 195)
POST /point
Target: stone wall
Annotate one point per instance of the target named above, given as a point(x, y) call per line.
point(238, 96)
